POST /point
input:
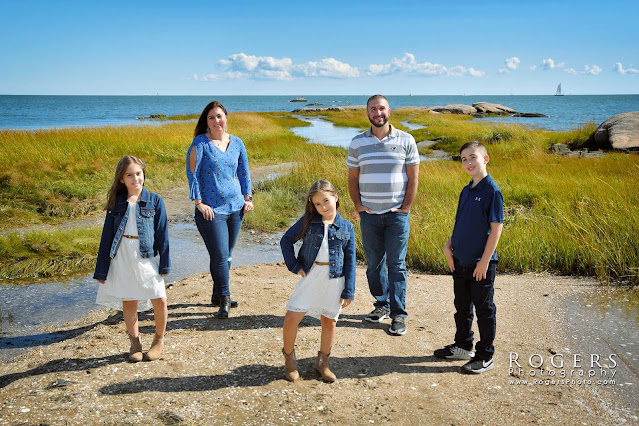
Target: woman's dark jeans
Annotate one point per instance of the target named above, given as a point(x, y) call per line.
point(220, 235)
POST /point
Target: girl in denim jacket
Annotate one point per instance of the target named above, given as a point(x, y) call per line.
point(135, 231)
point(326, 263)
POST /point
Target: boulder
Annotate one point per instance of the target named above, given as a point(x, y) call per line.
point(488, 108)
point(559, 148)
point(620, 131)
point(456, 109)
point(563, 149)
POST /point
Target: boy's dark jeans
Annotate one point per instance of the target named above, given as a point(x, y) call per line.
point(469, 293)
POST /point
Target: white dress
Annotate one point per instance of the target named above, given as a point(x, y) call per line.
point(316, 293)
point(131, 276)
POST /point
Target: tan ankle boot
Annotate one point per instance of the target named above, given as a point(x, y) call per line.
point(322, 367)
point(135, 352)
point(156, 349)
point(289, 366)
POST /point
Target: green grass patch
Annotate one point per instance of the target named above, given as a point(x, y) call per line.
point(51, 176)
point(562, 215)
point(48, 254)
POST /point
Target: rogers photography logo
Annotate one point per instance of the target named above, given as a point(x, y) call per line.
point(557, 369)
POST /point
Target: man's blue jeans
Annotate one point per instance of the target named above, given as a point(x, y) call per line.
point(220, 235)
point(385, 240)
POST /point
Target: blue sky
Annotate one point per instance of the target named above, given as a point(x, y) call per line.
point(240, 47)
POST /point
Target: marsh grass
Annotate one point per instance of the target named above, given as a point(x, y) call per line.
point(48, 254)
point(53, 176)
point(561, 215)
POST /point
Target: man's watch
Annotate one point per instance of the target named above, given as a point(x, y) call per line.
point(250, 198)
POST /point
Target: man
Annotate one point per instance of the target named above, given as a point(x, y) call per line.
point(383, 170)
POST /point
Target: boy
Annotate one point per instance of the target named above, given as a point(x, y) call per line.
point(472, 259)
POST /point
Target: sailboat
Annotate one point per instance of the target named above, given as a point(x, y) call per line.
point(558, 92)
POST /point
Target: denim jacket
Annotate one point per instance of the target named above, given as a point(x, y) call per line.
point(152, 230)
point(341, 250)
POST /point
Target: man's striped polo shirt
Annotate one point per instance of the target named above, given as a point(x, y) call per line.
point(382, 167)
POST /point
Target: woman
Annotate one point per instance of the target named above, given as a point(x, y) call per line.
point(220, 186)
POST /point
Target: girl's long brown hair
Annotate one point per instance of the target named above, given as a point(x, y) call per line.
point(311, 212)
point(118, 186)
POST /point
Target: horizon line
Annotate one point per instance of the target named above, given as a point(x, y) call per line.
point(331, 94)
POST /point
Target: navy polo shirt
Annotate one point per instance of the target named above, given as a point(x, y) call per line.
point(477, 208)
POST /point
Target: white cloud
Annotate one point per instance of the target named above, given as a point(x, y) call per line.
point(249, 63)
point(243, 66)
point(533, 67)
point(206, 77)
point(592, 70)
point(511, 65)
point(236, 74)
point(620, 70)
point(408, 64)
point(327, 67)
point(548, 64)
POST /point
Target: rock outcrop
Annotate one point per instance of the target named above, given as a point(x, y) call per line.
point(563, 149)
point(302, 110)
point(455, 109)
point(620, 131)
point(488, 108)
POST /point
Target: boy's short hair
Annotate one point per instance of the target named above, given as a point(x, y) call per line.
point(474, 144)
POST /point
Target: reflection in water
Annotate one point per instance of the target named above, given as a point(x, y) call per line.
point(46, 303)
point(605, 321)
point(324, 132)
point(412, 126)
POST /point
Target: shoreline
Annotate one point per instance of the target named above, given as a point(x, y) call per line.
point(144, 106)
point(232, 369)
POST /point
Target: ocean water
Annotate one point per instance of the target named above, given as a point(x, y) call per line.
point(41, 112)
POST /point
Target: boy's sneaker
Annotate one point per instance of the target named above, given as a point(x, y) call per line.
point(477, 366)
point(454, 352)
point(397, 326)
point(378, 314)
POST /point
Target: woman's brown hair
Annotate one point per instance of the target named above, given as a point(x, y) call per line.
point(201, 126)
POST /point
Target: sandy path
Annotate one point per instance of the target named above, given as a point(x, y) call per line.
point(230, 371)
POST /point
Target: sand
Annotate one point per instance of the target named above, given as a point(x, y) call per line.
point(217, 371)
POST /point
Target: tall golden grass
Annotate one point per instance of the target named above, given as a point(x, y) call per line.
point(51, 176)
point(562, 215)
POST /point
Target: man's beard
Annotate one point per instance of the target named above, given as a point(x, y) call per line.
point(378, 124)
